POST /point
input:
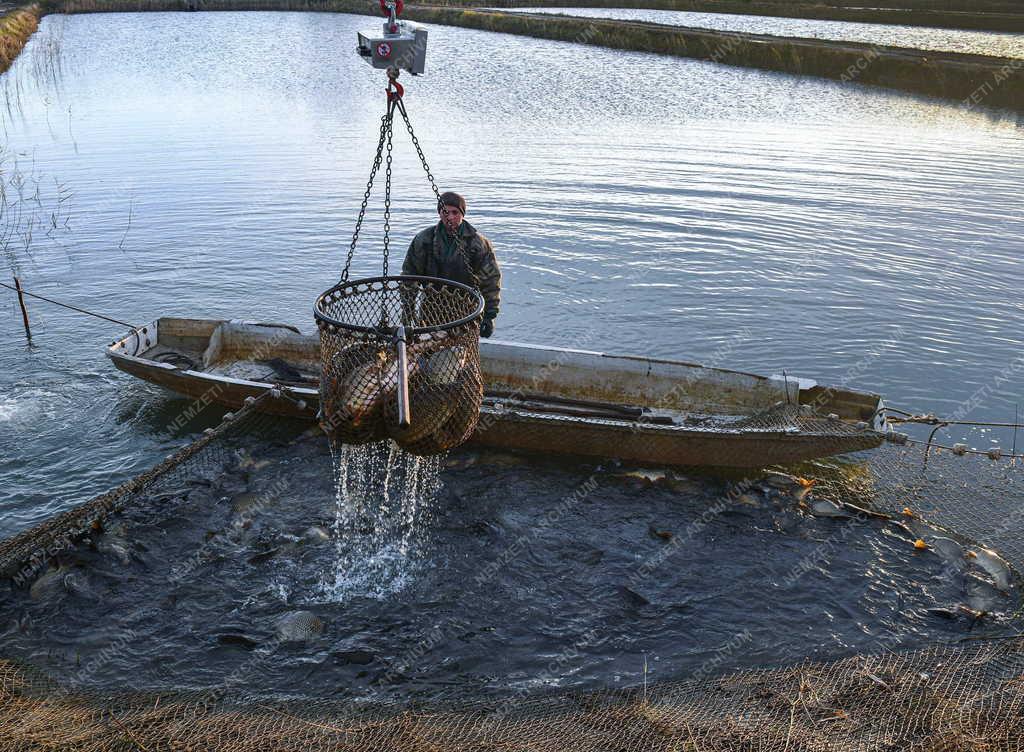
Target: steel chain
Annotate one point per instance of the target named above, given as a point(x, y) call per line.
point(459, 245)
point(386, 142)
point(387, 199)
point(419, 150)
point(384, 127)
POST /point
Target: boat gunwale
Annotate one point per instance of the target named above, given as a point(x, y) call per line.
point(797, 380)
point(211, 380)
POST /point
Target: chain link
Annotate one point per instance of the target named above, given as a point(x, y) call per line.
point(459, 245)
point(385, 144)
point(419, 150)
point(385, 123)
point(387, 200)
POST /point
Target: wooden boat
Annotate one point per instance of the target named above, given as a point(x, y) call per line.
point(542, 399)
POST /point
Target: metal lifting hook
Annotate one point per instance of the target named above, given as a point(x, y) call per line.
point(395, 90)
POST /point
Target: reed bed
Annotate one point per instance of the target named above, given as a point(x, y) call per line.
point(15, 29)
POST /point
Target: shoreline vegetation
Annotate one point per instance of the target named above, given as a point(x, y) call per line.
point(976, 15)
point(16, 27)
point(972, 80)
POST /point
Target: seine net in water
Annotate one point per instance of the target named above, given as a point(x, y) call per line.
point(360, 381)
point(966, 696)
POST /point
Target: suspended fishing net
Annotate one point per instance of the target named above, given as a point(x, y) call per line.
point(963, 696)
point(364, 376)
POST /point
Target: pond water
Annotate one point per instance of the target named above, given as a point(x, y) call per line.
point(1000, 44)
point(211, 165)
point(516, 575)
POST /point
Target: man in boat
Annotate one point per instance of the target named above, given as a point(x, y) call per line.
point(453, 249)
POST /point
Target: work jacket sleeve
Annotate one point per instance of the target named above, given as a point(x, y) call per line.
point(489, 278)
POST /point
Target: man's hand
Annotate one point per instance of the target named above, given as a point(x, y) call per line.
point(487, 327)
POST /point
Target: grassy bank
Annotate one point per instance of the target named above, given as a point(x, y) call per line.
point(990, 15)
point(969, 78)
point(973, 79)
point(15, 29)
point(996, 15)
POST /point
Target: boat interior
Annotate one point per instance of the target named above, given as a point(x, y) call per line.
point(561, 380)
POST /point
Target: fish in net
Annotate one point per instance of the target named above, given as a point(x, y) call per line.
point(366, 378)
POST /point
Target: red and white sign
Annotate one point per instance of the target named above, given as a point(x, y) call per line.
point(383, 50)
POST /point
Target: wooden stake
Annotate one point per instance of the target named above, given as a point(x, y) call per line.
point(24, 310)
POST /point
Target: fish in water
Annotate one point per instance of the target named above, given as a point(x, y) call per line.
point(960, 611)
point(48, 583)
point(664, 535)
point(316, 534)
point(460, 460)
point(356, 657)
point(114, 543)
point(793, 485)
point(264, 556)
point(826, 508)
point(248, 502)
point(993, 565)
point(645, 475)
point(981, 595)
point(247, 462)
point(61, 580)
point(238, 640)
point(633, 597)
point(298, 626)
point(949, 550)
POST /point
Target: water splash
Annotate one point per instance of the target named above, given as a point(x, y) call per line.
point(382, 499)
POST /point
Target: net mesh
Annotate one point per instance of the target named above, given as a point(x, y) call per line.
point(359, 388)
point(965, 696)
point(939, 698)
point(936, 492)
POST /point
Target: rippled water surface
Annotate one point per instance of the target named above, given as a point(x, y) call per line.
point(518, 577)
point(211, 165)
point(923, 38)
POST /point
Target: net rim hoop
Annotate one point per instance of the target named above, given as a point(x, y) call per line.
point(323, 318)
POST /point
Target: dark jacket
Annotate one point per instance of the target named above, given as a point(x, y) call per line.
point(477, 267)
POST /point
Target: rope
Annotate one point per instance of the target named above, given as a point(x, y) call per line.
point(959, 450)
point(71, 307)
point(932, 420)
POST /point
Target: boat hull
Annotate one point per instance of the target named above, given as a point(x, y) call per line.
point(514, 370)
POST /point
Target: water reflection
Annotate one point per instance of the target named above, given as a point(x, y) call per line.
point(637, 202)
